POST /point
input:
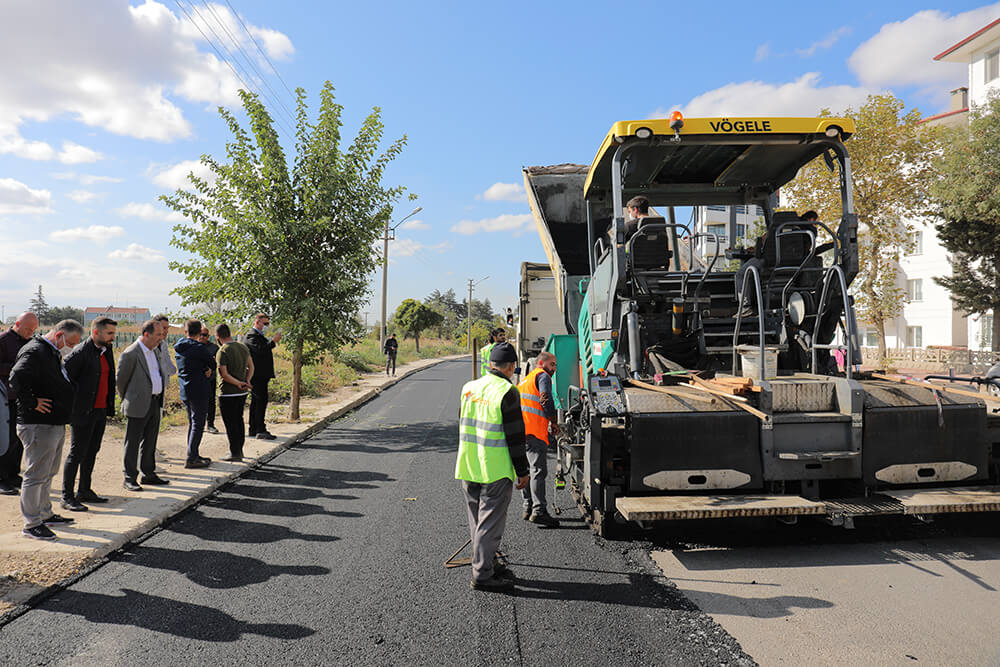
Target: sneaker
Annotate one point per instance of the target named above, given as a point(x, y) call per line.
point(232, 458)
point(58, 520)
point(130, 485)
point(73, 505)
point(8, 489)
point(264, 435)
point(544, 519)
point(193, 463)
point(211, 429)
point(39, 532)
point(494, 583)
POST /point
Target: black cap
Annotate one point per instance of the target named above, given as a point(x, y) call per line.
point(503, 353)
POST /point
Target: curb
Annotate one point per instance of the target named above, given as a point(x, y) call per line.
point(153, 525)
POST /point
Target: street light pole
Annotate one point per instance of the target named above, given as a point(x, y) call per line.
point(385, 271)
point(468, 308)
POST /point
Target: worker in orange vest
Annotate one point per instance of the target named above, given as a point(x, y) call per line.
point(539, 413)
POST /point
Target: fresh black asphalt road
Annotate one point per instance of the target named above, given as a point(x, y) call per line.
point(332, 553)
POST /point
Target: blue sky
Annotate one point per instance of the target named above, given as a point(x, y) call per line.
point(104, 104)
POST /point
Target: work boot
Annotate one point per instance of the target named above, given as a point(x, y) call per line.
point(544, 519)
point(494, 583)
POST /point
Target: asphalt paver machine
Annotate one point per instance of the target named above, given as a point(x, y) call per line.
point(699, 391)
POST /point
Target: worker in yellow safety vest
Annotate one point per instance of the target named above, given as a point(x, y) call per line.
point(498, 335)
point(540, 414)
point(491, 463)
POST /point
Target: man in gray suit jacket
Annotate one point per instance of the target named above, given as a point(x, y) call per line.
point(140, 383)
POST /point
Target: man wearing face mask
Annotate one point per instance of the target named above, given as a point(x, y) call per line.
point(638, 208)
point(262, 353)
point(91, 368)
point(45, 403)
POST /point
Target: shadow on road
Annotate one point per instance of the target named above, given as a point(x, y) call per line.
point(641, 590)
point(272, 492)
point(226, 529)
point(216, 569)
point(275, 507)
point(172, 617)
point(323, 479)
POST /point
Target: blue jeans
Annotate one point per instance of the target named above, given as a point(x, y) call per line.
point(197, 413)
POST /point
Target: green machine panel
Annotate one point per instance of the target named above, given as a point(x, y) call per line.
point(566, 349)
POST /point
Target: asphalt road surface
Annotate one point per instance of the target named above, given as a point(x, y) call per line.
point(332, 554)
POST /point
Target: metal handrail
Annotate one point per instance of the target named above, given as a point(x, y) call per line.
point(708, 267)
point(812, 253)
point(848, 321)
point(751, 272)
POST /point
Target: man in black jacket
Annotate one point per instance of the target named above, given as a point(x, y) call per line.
point(261, 351)
point(91, 368)
point(11, 341)
point(45, 402)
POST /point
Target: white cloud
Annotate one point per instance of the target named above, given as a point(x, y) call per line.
point(415, 224)
point(409, 247)
point(825, 43)
point(77, 154)
point(275, 44)
point(803, 97)
point(96, 233)
point(176, 176)
point(82, 196)
point(518, 224)
point(504, 192)
point(84, 179)
point(762, 53)
point(138, 253)
point(120, 68)
point(147, 211)
point(18, 198)
point(902, 52)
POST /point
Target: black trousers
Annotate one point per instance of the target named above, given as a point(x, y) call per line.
point(231, 409)
point(85, 441)
point(10, 462)
point(140, 441)
point(390, 360)
point(258, 406)
point(210, 420)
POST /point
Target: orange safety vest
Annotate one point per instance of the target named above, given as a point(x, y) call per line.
point(535, 421)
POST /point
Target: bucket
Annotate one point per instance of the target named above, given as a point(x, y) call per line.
point(750, 358)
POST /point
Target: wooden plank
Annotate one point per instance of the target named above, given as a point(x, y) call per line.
point(666, 508)
point(934, 385)
point(940, 501)
point(676, 392)
point(737, 401)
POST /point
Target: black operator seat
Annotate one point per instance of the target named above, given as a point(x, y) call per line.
point(649, 249)
point(795, 243)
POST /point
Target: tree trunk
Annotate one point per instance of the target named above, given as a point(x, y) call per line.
point(883, 354)
point(995, 346)
point(416, 340)
point(296, 381)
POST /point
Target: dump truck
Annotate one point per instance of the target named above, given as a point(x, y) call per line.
point(538, 314)
point(689, 390)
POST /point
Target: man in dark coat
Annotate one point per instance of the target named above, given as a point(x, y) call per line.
point(262, 353)
point(205, 339)
point(11, 341)
point(45, 403)
point(195, 364)
point(91, 369)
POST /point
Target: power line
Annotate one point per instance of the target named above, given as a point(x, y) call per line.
point(222, 57)
point(259, 50)
point(249, 60)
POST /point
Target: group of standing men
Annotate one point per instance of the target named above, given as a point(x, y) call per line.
point(47, 388)
point(503, 445)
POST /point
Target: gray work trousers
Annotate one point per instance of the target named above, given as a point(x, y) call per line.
point(538, 465)
point(487, 508)
point(141, 434)
point(43, 445)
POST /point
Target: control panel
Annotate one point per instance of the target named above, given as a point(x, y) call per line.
point(606, 395)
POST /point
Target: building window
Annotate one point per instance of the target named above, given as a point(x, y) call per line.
point(916, 243)
point(718, 230)
point(716, 208)
point(915, 290)
point(741, 209)
point(992, 65)
point(871, 338)
point(986, 333)
point(741, 231)
point(914, 336)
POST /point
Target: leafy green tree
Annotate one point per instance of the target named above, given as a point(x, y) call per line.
point(891, 160)
point(293, 240)
point(39, 306)
point(413, 317)
point(60, 313)
point(967, 198)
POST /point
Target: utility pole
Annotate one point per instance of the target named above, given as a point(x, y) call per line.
point(385, 269)
point(468, 312)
